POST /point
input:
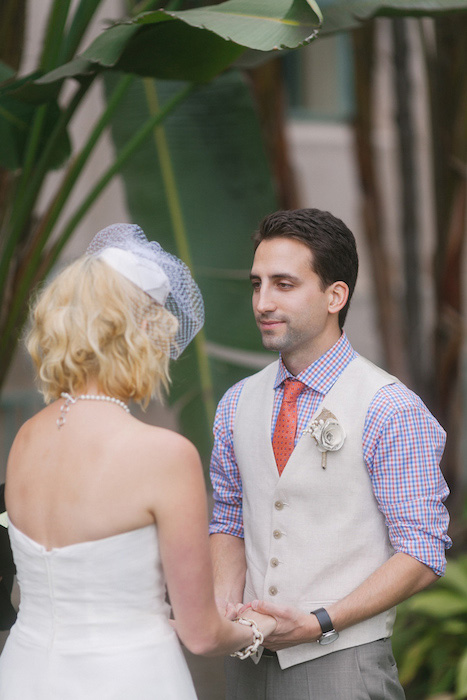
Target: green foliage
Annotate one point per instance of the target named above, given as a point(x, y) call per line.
point(430, 637)
point(236, 20)
point(16, 123)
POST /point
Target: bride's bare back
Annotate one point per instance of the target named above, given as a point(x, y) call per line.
point(100, 474)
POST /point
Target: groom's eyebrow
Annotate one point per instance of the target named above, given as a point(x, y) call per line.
point(276, 276)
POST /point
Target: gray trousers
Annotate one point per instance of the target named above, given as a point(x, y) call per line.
point(366, 672)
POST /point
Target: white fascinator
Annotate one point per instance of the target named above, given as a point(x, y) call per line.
point(162, 276)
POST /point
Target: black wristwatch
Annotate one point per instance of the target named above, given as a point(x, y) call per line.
point(329, 633)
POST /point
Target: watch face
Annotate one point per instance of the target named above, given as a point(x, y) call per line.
point(328, 637)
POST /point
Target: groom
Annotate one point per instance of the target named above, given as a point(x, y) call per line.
point(327, 488)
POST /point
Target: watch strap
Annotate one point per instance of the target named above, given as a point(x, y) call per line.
point(323, 619)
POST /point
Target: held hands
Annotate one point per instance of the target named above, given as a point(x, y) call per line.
point(292, 626)
point(282, 626)
point(265, 623)
point(261, 626)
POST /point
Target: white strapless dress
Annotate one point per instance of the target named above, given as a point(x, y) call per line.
point(93, 623)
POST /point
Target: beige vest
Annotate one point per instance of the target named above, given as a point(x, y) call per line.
point(313, 534)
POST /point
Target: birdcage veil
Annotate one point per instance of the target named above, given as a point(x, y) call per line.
point(162, 276)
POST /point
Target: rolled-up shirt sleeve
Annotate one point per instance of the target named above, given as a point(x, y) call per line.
point(227, 516)
point(403, 445)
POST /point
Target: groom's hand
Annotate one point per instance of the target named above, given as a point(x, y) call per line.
point(293, 625)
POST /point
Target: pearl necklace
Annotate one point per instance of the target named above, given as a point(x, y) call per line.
point(70, 400)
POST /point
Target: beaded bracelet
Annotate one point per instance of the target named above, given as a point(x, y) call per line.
point(258, 639)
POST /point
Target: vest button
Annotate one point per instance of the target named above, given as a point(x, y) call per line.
point(278, 505)
point(274, 562)
point(277, 534)
point(272, 590)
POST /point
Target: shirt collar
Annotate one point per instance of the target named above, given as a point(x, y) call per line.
point(321, 374)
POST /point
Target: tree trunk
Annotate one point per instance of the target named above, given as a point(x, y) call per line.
point(268, 89)
point(12, 24)
point(388, 315)
point(447, 70)
point(409, 225)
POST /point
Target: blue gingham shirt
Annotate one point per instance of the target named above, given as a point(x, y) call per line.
point(402, 448)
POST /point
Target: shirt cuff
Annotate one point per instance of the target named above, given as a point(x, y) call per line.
point(223, 527)
point(432, 554)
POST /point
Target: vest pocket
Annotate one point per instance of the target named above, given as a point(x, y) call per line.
point(310, 605)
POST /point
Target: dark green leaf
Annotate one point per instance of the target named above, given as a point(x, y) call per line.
point(175, 51)
point(14, 125)
point(15, 120)
point(11, 85)
point(260, 26)
point(107, 48)
point(78, 68)
point(6, 72)
point(29, 90)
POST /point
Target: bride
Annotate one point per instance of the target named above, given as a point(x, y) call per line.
point(104, 510)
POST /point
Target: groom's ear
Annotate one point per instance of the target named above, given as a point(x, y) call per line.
point(338, 294)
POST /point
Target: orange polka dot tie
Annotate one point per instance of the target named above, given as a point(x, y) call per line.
point(283, 440)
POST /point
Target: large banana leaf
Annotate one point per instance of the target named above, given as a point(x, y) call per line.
point(341, 15)
point(244, 23)
point(200, 187)
point(196, 44)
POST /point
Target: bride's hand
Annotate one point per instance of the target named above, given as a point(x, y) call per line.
point(229, 610)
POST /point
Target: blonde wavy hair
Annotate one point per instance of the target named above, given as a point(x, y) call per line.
point(91, 323)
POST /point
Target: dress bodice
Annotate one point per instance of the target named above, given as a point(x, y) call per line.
point(91, 593)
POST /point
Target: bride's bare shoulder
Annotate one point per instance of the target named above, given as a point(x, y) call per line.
point(23, 437)
point(167, 446)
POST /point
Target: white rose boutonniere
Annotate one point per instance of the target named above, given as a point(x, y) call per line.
point(328, 434)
